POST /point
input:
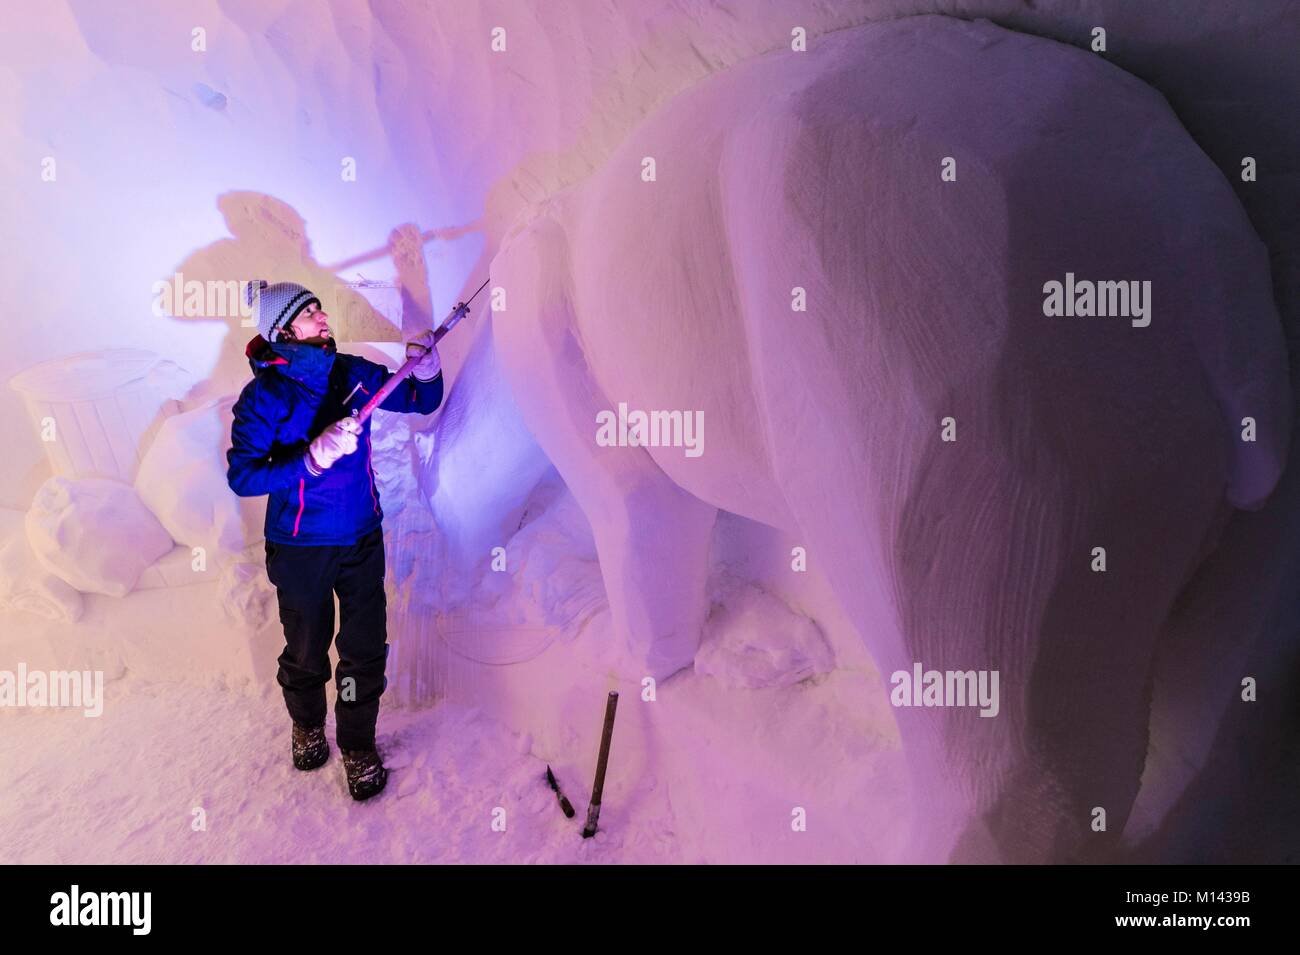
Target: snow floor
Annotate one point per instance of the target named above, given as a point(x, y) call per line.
point(713, 770)
point(124, 790)
point(711, 776)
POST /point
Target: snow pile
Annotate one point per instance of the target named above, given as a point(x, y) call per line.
point(544, 586)
point(549, 567)
point(752, 639)
point(247, 594)
point(182, 479)
point(393, 457)
point(28, 587)
point(95, 534)
point(552, 563)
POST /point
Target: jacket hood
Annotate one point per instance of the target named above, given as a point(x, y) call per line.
point(307, 364)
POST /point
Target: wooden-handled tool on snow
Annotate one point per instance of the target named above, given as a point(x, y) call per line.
point(602, 762)
point(457, 313)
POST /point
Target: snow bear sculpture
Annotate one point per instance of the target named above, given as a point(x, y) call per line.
point(850, 263)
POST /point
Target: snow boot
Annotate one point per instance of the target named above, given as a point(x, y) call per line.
point(366, 773)
point(310, 748)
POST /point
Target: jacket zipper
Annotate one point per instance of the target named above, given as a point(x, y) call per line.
point(370, 473)
point(301, 504)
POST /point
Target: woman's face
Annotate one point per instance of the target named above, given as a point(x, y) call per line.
point(311, 325)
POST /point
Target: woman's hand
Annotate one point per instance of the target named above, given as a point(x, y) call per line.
point(334, 442)
point(430, 364)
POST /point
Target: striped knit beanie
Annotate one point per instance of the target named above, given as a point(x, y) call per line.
point(277, 305)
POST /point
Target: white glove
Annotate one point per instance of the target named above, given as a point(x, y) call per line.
point(428, 367)
point(338, 439)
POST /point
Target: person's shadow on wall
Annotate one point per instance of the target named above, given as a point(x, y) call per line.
point(269, 241)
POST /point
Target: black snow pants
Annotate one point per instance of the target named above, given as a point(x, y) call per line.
point(306, 578)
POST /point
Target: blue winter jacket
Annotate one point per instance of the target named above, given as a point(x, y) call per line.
point(297, 391)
